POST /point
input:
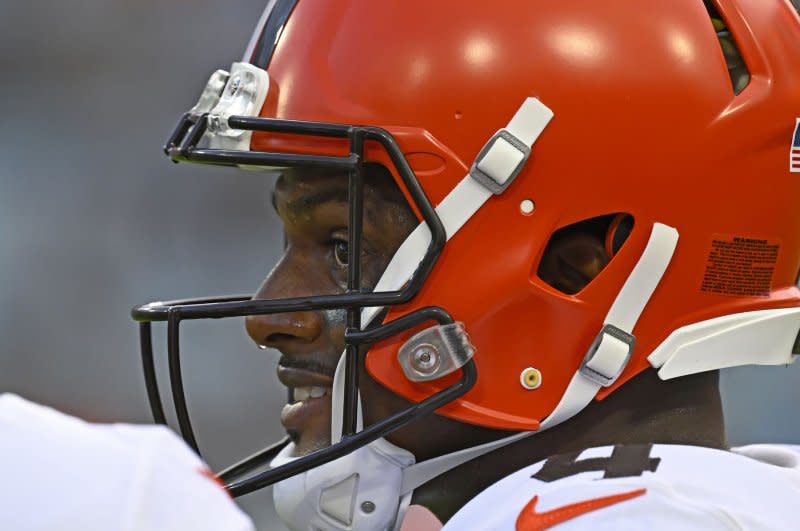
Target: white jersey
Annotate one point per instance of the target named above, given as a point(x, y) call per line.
point(649, 487)
point(62, 473)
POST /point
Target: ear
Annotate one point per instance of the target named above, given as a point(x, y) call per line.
point(573, 260)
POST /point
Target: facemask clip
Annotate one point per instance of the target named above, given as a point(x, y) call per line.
point(435, 352)
point(211, 93)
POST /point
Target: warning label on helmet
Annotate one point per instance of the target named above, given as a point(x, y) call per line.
point(740, 266)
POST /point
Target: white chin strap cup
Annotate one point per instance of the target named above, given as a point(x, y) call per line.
point(360, 491)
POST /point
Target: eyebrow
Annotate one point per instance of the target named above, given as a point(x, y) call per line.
point(318, 197)
point(309, 202)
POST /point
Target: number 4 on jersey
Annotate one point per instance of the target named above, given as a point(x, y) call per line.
point(625, 461)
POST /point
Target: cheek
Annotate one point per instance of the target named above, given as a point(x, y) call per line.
point(372, 270)
point(309, 265)
point(375, 264)
point(335, 323)
point(377, 401)
point(389, 233)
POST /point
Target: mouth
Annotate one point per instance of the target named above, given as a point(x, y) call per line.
point(306, 417)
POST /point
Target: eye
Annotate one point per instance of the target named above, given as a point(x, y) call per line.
point(340, 249)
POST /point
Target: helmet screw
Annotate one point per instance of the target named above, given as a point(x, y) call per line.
point(214, 123)
point(526, 206)
point(235, 84)
point(530, 378)
point(425, 359)
point(367, 507)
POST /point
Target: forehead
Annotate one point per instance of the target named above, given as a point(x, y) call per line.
point(306, 188)
point(303, 188)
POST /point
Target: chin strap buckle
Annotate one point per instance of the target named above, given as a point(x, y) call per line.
point(608, 355)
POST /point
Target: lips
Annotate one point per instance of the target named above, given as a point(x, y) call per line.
point(307, 417)
point(294, 375)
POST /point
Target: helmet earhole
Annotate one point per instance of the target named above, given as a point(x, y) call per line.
point(618, 231)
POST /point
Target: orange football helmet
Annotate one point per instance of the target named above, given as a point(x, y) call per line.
point(503, 123)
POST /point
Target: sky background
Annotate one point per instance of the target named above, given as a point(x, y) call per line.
point(94, 220)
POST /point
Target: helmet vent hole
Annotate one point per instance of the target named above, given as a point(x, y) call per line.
point(737, 69)
point(577, 253)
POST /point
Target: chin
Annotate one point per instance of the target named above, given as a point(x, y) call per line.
point(306, 444)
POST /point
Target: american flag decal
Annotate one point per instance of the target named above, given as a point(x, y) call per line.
point(794, 155)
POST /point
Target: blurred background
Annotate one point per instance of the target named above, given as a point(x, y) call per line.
point(94, 219)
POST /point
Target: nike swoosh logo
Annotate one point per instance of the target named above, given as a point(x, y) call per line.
point(530, 520)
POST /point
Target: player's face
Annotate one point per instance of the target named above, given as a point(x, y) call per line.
point(313, 208)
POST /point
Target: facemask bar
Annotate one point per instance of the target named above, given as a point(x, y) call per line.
point(181, 146)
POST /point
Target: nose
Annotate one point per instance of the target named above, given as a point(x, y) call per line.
point(282, 331)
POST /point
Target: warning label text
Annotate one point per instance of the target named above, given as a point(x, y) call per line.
point(740, 266)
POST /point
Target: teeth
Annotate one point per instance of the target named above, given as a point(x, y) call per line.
point(317, 392)
point(301, 393)
point(304, 393)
